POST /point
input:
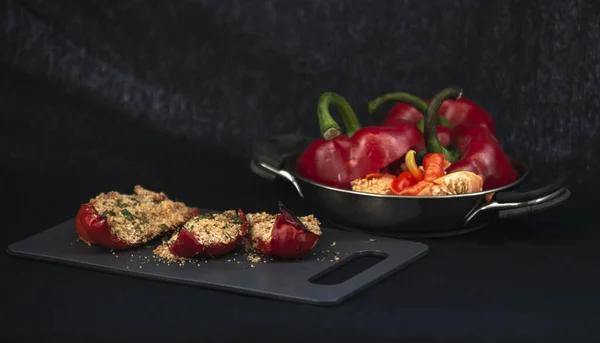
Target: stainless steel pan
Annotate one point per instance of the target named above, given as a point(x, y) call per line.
point(406, 216)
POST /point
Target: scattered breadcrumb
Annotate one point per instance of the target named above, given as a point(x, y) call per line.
point(162, 252)
point(260, 225)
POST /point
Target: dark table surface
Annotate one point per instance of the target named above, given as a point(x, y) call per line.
point(526, 280)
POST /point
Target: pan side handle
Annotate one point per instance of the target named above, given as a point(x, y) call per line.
point(535, 195)
point(269, 157)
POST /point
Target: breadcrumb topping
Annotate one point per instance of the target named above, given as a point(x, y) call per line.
point(208, 229)
point(139, 217)
point(215, 228)
point(260, 227)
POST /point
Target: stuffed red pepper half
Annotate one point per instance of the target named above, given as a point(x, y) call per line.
point(123, 221)
point(283, 235)
point(209, 235)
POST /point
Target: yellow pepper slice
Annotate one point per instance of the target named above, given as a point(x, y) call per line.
point(411, 164)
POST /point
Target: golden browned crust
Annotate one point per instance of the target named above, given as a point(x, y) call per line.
point(260, 227)
point(141, 216)
point(215, 228)
point(461, 182)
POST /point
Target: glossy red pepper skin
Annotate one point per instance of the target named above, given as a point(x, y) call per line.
point(401, 112)
point(444, 132)
point(403, 181)
point(461, 111)
point(186, 245)
point(482, 154)
point(93, 228)
point(342, 159)
point(289, 238)
point(465, 111)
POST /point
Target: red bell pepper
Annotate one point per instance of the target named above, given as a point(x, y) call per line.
point(479, 149)
point(210, 235)
point(465, 111)
point(336, 159)
point(410, 109)
point(287, 236)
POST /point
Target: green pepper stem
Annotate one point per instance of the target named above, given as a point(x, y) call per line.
point(406, 98)
point(328, 126)
point(432, 141)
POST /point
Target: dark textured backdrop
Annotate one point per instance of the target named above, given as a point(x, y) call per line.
point(224, 73)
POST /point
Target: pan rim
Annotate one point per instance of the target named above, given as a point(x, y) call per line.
point(519, 166)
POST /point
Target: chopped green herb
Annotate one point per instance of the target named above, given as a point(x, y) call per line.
point(205, 216)
point(121, 204)
point(108, 212)
point(164, 226)
point(127, 214)
point(236, 220)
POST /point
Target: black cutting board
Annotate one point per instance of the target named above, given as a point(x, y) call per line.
point(285, 280)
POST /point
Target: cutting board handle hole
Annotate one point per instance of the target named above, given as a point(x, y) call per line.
point(348, 268)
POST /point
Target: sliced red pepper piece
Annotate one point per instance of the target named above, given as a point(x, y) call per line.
point(374, 175)
point(434, 165)
point(403, 181)
point(194, 239)
point(337, 159)
point(479, 150)
point(289, 238)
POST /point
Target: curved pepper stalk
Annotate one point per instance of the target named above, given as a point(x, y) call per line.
point(329, 127)
point(432, 142)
